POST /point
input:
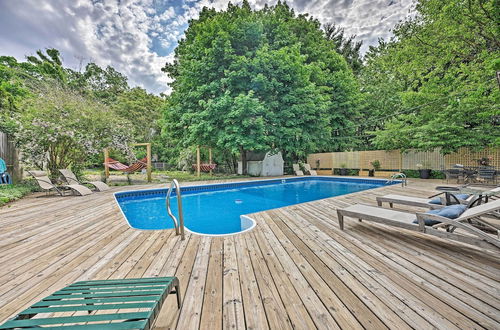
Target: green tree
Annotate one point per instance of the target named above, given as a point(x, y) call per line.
point(382, 93)
point(49, 64)
point(142, 110)
point(12, 91)
point(58, 116)
point(63, 128)
point(17, 79)
point(346, 46)
point(259, 80)
point(104, 84)
point(439, 76)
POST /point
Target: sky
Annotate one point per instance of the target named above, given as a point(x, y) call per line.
point(137, 37)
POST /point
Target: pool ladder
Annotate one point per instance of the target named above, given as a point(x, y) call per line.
point(179, 225)
point(404, 182)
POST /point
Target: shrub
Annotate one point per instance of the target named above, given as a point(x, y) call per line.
point(64, 129)
point(11, 192)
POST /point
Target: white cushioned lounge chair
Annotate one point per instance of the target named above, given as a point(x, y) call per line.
point(432, 203)
point(464, 221)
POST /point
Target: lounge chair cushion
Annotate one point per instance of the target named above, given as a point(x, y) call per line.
point(451, 212)
point(438, 200)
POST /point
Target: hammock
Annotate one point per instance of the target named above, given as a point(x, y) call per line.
point(205, 167)
point(116, 165)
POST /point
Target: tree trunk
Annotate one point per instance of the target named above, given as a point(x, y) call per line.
point(243, 161)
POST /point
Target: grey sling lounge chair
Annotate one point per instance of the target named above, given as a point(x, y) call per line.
point(70, 178)
point(44, 182)
point(422, 202)
point(405, 220)
point(307, 167)
point(296, 170)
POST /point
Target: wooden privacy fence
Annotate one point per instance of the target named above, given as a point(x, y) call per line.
point(10, 155)
point(395, 160)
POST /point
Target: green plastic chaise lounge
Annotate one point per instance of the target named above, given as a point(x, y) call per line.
point(432, 203)
point(44, 182)
point(70, 178)
point(433, 222)
point(108, 304)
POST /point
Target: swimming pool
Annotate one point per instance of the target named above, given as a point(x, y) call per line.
point(219, 209)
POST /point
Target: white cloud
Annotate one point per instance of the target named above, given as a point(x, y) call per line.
point(109, 33)
point(368, 19)
point(167, 14)
point(122, 33)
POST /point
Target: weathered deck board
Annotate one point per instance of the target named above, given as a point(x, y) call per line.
point(296, 269)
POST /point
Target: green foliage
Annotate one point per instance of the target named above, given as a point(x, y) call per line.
point(142, 110)
point(416, 174)
point(64, 118)
point(346, 46)
point(106, 85)
point(12, 91)
point(350, 171)
point(63, 128)
point(259, 80)
point(376, 165)
point(434, 85)
point(11, 192)
point(182, 176)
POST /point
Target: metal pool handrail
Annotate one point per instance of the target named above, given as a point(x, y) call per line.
point(398, 175)
point(179, 225)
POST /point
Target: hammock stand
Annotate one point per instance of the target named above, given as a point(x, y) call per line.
point(110, 163)
point(199, 167)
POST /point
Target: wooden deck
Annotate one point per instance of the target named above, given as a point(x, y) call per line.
point(296, 269)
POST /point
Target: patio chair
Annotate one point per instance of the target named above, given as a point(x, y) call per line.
point(296, 170)
point(309, 171)
point(454, 173)
point(434, 203)
point(486, 174)
point(70, 178)
point(44, 182)
point(431, 223)
point(111, 304)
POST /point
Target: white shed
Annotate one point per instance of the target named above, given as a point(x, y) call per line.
point(263, 164)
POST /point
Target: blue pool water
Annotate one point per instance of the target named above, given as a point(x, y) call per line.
point(216, 209)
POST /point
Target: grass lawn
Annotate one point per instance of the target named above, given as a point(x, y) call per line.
point(11, 192)
point(118, 178)
point(187, 176)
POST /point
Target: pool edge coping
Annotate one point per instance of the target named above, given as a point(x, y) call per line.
point(244, 216)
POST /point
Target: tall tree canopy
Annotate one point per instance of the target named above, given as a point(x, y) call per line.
point(104, 84)
point(142, 109)
point(259, 80)
point(434, 85)
point(347, 46)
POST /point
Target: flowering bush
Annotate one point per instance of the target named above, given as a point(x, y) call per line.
point(484, 161)
point(60, 128)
